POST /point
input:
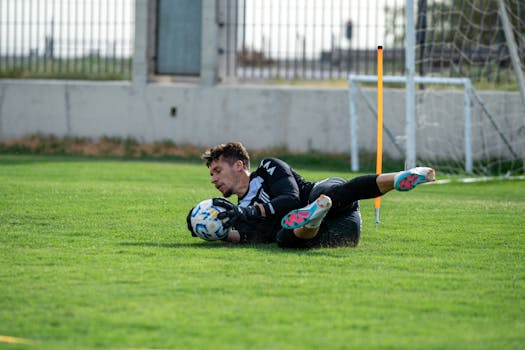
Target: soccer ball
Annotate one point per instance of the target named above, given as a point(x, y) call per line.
point(205, 223)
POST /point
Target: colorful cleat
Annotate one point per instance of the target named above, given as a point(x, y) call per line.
point(408, 179)
point(310, 216)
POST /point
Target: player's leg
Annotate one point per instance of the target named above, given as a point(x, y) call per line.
point(408, 179)
point(342, 230)
point(404, 180)
point(306, 221)
point(371, 186)
point(301, 226)
point(286, 238)
point(335, 231)
point(337, 196)
point(344, 193)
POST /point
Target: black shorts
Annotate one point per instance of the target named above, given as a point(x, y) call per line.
point(341, 227)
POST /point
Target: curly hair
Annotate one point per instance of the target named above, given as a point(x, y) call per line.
point(230, 152)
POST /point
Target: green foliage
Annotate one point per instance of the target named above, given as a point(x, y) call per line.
point(452, 20)
point(458, 38)
point(95, 254)
point(83, 68)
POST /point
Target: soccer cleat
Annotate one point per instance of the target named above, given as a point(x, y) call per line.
point(408, 179)
point(310, 216)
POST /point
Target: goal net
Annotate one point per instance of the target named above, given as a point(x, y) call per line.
point(464, 38)
point(468, 132)
point(478, 129)
point(458, 129)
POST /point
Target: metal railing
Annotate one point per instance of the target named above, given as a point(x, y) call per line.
point(81, 39)
point(305, 39)
point(329, 39)
point(269, 39)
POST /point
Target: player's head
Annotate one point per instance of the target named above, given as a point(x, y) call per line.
point(229, 152)
point(229, 166)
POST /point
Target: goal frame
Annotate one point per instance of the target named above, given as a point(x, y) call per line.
point(354, 80)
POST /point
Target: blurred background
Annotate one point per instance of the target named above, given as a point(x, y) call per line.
point(209, 71)
point(261, 39)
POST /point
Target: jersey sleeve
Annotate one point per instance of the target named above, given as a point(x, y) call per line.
point(282, 185)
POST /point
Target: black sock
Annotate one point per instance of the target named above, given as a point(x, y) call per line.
point(361, 187)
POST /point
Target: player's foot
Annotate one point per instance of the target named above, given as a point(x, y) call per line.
point(408, 179)
point(310, 216)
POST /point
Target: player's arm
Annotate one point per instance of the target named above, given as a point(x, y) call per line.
point(284, 190)
point(283, 187)
point(286, 198)
point(233, 237)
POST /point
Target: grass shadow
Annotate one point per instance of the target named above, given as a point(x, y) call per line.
point(263, 247)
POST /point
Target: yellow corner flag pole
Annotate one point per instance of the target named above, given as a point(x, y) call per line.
point(379, 151)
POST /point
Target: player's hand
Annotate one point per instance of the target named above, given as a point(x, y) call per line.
point(188, 222)
point(235, 213)
point(223, 203)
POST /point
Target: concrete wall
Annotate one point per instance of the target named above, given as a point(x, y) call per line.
point(260, 117)
point(300, 119)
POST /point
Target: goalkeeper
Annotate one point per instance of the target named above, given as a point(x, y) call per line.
point(276, 204)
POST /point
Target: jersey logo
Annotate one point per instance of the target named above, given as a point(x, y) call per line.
point(268, 169)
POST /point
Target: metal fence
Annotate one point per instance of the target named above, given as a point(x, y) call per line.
point(81, 39)
point(301, 39)
point(328, 39)
point(269, 39)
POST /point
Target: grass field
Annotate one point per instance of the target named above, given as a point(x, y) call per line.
point(95, 254)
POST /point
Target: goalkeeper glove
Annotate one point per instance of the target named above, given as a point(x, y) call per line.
point(234, 213)
point(188, 222)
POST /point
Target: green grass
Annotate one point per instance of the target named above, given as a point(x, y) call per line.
point(94, 253)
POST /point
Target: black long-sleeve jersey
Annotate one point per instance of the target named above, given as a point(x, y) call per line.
point(276, 186)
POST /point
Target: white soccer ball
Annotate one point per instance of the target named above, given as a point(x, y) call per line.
point(205, 223)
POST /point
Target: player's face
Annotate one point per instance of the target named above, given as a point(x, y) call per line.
point(225, 176)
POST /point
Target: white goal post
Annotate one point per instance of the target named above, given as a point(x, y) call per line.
point(354, 80)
